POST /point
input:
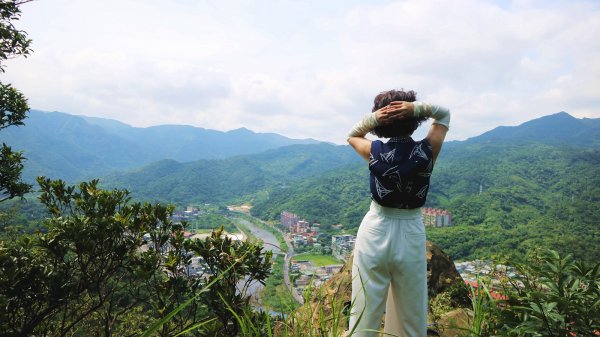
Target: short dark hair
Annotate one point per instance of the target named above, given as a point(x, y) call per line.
point(403, 127)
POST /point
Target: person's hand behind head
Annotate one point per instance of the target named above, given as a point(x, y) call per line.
point(396, 110)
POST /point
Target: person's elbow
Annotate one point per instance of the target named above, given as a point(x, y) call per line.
point(361, 145)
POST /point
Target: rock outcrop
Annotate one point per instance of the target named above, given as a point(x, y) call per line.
point(441, 272)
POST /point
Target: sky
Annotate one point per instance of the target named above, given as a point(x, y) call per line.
point(309, 69)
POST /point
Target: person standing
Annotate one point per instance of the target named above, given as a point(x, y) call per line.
point(389, 273)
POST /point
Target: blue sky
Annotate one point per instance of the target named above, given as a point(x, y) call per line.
point(309, 68)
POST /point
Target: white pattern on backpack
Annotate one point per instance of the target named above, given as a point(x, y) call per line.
point(381, 190)
point(393, 174)
point(418, 151)
point(372, 161)
point(388, 157)
point(422, 192)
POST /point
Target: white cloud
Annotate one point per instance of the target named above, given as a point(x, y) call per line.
point(309, 68)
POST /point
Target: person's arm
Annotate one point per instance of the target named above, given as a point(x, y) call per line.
point(436, 136)
point(356, 136)
point(440, 115)
point(440, 126)
point(399, 110)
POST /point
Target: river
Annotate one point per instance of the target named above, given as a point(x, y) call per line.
point(270, 243)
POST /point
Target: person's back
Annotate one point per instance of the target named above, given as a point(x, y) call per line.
point(400, 171)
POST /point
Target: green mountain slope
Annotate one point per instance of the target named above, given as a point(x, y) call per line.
point(72, 147)
point(557, 129)
point(510, 189)
point(338, 196)
point(223, 180)
point(186, 143)
point(507, 195)
point(65, 146)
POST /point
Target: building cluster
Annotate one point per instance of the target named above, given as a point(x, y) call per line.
point(307, 274)
point(289, 219)
point(188, 214)
point(342, 246)
point(435, 217)
point(198, 267)
point(301, 232)
point(473, 271)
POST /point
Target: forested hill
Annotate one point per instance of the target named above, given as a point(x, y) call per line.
point(510, 189)
point(232, 179)
point(72, 147)
point(507, 192)
point(557, 129)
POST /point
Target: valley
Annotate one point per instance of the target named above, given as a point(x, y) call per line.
point(510, 194)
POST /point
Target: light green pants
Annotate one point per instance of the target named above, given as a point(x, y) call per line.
point(389, 254)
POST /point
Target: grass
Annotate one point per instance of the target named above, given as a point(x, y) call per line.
point(201, 231)
point(310, 320)
point(211, 221)
point(275, 295)
point(318, 260)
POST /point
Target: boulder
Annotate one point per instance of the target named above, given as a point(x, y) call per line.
point(441, 272)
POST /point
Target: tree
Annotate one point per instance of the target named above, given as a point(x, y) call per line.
point(108, 267)
point(553, 295)
point(228, 299)
point(13, 104)
point(86, 269)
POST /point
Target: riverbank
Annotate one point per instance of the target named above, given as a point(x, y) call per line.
point(277, 293)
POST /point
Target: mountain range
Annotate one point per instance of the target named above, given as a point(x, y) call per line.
point(557, 129)
point(510, 189)
point(276, 169)
point(71, 147)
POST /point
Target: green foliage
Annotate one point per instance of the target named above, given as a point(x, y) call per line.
point(276, 296)
point(91, 271)
point(323, 313)
point(440, 304)
point(87, 269)
point(340, 196)
point(213, 221)
point(13, 42)
point(11, 167)
point(533, 195)
point(554, 296)
point(227, 298)
point(21, 215)
point(232, 179)
point(458, 294)
point(13, 105)
point(483, 311)
point(551, 295)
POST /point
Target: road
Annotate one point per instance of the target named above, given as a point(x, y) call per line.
point(286, 269)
